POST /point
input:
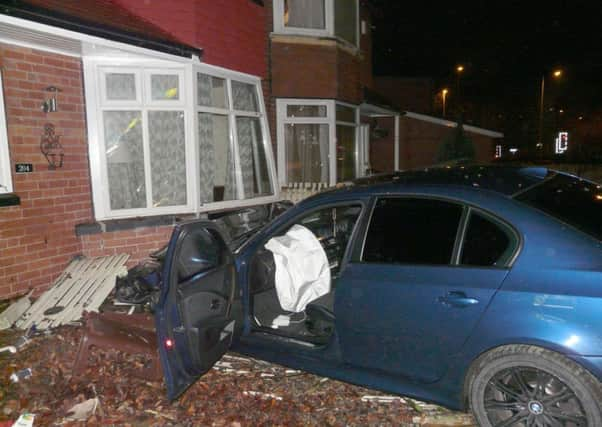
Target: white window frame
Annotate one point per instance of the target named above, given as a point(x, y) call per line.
point(328, 31)
point(6, 183)
point(330, 120)
point(94, 82)
point(232, 114)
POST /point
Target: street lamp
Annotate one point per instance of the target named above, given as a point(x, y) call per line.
point(458, 96)
point(556, 74)
point(444, 93)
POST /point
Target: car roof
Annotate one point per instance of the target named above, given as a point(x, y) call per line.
point(505, 180)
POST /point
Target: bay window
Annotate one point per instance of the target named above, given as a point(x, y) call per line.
point(168, 140)
point(334, 18)
point(317, 141)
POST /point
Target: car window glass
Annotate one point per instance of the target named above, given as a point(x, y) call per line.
point(200, 251)
point(569, 199)
point(412, 231)
point(486, 243)
point(333, 227)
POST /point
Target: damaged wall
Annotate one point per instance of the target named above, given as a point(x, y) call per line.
point(37, 237)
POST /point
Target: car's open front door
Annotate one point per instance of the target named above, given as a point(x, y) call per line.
point(196, 309)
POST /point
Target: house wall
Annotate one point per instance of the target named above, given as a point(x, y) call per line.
point(37, 237)
point(230, 32)
point(52, 223)
point(420, 141)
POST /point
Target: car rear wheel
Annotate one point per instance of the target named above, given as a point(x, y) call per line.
point(520, 385)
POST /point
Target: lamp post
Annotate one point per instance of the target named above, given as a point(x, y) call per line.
point(444, 93)
point(459, 71)
point(556, 74)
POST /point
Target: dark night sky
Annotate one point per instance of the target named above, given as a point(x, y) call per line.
point(506, 46)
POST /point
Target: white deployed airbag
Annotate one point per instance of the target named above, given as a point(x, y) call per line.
point(302, 270)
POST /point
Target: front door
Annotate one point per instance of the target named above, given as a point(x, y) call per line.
point(194, 315)
point(414, 296)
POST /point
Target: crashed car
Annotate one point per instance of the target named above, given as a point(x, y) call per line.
point(472, 287)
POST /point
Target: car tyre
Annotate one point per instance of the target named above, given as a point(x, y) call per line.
point(521, 385)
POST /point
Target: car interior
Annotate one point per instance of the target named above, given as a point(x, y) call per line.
point(333, 227)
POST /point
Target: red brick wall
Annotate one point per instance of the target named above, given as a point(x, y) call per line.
point(231, 32)
point(138, 243)
point(420, 141)
point(37, 238)
point(303, 70)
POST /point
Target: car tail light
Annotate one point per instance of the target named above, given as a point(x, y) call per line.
point(169, 344)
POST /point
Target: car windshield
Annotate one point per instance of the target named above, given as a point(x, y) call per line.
point(572, 200)
point(238, 226)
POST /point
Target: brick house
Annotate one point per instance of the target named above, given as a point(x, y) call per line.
point(143, 124)
point(328, 115)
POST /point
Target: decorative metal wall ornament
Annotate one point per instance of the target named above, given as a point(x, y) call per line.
point(51, 147)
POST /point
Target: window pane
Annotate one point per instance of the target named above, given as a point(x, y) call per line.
point(345, 20)
point(485, 244)
point(211, 91)
point(306, 111)
point(571, 200)
point(412, 231)
point(345, 114)
point(216, 167)
point(304, 14)
point(165, 87)
point(168, 157)
point(306, 152)
point(120, 86)
point(346, 153)
point(125, 159)
point(245, 96)
point(333, 227)
point(253, 163)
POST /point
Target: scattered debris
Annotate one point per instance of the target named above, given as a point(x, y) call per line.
point(10, 348)
point(83, 286)
point(217, 399)
point(22, 342)
point(451, 419)
point(382, 399)
point(24, 420)
point(158, 414)
point(132, 334)
point(23, 374)
point(84, 410)
point(9, 316)
point(262, 395)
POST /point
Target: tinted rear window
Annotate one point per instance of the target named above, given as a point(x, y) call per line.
point(412, 231)
point(571, 200)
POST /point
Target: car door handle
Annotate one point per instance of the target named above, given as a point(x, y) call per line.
point(457, 299)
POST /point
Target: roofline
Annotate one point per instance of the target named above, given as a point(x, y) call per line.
point(51, 18)
point(449, 123)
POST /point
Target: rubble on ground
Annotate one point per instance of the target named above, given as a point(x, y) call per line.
point(239, 391)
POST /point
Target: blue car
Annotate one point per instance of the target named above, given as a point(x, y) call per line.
point(478, 288)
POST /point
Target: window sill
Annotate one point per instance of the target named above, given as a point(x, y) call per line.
point(9, 199)
point(319, 40)
point(128, 224)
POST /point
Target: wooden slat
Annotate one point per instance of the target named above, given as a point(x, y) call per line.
point(84, 285)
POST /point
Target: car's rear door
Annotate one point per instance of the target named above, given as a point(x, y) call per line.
point(198, 304)
point(411, 299)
